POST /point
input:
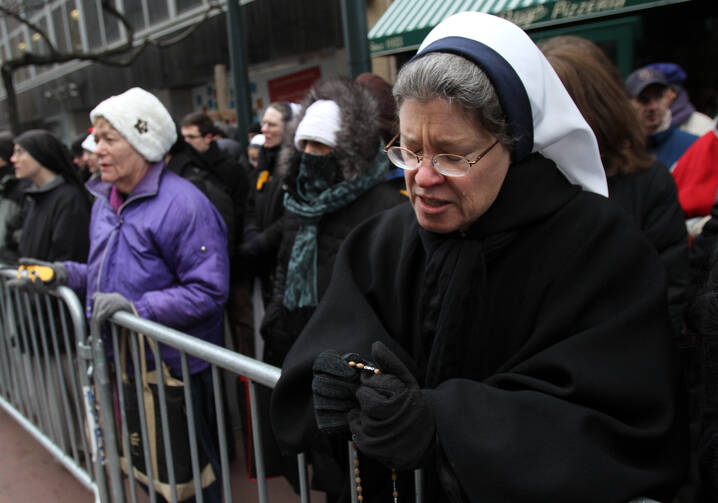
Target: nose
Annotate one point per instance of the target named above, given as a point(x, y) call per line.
point(100, 147)
point(264, 129)
point(426, 174)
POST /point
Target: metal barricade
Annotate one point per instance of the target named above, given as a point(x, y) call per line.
point(66, 399)
point(45, 377)
point(219, 358)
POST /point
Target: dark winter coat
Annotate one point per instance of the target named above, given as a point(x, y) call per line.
point(57, 223)
point(651, 198)
point(565, 391)
point(189, 164)
point(12, 207)
point(281, 327)
point(262, 230)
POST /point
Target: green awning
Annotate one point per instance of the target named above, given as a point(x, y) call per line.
point(406, 22)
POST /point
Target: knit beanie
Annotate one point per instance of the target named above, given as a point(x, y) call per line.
point(141, 119)
point(321, 123)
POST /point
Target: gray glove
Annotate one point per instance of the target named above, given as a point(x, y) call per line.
point(37, 274)
point(107, 304)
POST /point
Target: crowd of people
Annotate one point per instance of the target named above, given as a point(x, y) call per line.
point(501, 269)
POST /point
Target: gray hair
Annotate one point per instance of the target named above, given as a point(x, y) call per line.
point(457, 80)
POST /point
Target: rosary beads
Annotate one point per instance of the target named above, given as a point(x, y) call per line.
point(357, 478)
point(355, 452)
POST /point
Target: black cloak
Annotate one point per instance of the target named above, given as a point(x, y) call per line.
point(557, 380)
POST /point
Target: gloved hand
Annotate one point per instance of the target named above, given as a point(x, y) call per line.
point(35, 274)
point(394, 423)
point(334, 385)
point(107, 304)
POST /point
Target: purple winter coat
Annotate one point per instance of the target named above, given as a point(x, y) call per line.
point(165, 250)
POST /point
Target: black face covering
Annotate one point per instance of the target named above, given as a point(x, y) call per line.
point(316, 174)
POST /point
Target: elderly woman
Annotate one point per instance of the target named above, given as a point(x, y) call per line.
point(510, 335)
point(156, 243)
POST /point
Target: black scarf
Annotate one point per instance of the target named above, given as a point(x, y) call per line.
point(453, 303)
point(267, 159)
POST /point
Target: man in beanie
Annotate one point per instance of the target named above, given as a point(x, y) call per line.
point(647, 89)
point(11, 199)
point(157, 246)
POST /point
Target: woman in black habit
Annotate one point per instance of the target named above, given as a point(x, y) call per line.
point(517, 319)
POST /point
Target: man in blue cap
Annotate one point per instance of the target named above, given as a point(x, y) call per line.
point(684, 114)
point(647, 89)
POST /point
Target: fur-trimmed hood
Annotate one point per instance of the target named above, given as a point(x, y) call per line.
point(358, 140)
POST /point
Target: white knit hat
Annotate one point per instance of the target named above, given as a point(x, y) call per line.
point(89, 143)
point(320, 123)
point(142, 119)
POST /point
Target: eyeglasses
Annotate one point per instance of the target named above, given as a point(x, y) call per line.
point(191, 136)
point(446, 164)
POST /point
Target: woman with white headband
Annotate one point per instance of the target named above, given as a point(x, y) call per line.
point(510, 335)
point(333, 182)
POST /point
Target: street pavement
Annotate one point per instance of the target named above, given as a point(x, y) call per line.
point(29, 474)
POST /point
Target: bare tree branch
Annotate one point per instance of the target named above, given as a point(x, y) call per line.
point(21, 19)
point(122, 55)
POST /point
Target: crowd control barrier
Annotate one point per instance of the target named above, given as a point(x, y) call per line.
point(45, 377)
point(219, 358)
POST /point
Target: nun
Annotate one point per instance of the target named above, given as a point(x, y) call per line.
point(508, 332)
point(57, 223)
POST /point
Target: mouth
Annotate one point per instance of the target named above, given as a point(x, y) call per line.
point(431, 204)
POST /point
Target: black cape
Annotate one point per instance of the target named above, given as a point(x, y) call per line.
point(567, 389)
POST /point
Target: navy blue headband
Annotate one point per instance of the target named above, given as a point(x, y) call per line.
point(512, 95)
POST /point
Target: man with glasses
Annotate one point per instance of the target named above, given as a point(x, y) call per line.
point(647, 88)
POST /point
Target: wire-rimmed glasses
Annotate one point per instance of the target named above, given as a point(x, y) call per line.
point(446, 164)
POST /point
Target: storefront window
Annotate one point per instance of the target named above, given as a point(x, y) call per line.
point(37, 43)
point(18, 45)
point(92, 25)
point(134, 14)
point(58, 22)
point(112, 27)
point(158, 11)
point(73, 25)
point(183, 5)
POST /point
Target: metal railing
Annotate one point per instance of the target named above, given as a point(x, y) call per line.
point(219, 358)
point(36, 325)
point(45, 383)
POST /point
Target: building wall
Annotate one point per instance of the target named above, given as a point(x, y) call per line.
point(281, 37)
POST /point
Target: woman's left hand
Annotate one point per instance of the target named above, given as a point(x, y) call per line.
point(394, 422)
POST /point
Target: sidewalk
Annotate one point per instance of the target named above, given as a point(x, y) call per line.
point(28, 473)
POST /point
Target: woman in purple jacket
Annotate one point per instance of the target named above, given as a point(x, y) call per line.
point(156, 243)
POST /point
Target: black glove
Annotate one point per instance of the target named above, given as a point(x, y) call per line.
point(394, 423)
point(107, 304)
point(334, 385)
point(37, 274)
